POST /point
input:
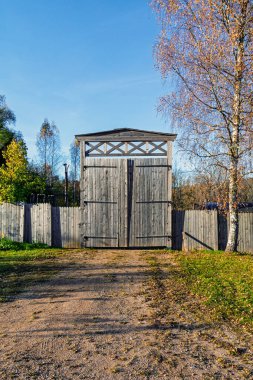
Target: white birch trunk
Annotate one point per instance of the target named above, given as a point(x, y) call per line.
point(235, 140)
point(233, 208)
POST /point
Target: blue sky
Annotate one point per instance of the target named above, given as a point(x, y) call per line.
point(86, 65)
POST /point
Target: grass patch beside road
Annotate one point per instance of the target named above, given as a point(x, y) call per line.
point(21, 268)
point(10, 245)
point(224, 280)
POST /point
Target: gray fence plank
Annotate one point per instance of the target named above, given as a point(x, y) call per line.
point(200, 229)
point(65, 227)
point(245, 237)
point(12, 221)
point(195, 229)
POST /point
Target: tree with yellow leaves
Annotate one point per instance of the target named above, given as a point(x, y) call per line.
point(14, 175)
point(208, 46)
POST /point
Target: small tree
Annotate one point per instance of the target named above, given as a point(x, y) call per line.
point(49, 149)
point(18, 179)
point(35, 183)
point(75, 164)
point(13, 175)
point(208, 46)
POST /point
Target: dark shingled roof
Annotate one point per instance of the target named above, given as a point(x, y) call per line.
point(127, 134)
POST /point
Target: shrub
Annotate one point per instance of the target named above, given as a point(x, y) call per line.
point(9, 245)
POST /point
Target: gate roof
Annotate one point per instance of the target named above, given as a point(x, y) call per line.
point(127, 134)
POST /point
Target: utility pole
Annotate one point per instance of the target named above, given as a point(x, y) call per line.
point(66, 185)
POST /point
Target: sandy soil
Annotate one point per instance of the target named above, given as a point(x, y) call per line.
point(111, 315)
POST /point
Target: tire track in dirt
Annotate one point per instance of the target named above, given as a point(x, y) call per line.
point(115, 315)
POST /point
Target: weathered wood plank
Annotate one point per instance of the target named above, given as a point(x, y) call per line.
point(65, 227)
point(12, 221)
point(245, 237)
point(59, 226)
point(127, 135)
point(101, 202)
point(148, 227)
point(195, 229)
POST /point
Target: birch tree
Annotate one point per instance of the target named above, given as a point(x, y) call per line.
point(207, 45)
point(49, 149)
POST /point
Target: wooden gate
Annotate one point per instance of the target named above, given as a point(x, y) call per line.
point(125, 202)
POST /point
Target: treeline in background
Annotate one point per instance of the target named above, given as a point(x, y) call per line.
point(54, 178)
point(43, 180)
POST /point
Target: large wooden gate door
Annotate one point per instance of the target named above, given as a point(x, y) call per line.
point(126, 202)
point(125, 188)
point(102, 178)
point(149, 203)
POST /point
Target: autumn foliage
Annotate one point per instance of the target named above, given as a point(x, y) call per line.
point(17, 180)
point(207, 45)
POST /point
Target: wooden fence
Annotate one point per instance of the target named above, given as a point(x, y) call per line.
point(202, 229)
point(59, 227)
point(194, 229)
point(42, 223)
point(12, 222)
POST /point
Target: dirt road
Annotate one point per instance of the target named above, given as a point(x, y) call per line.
point(117, 315)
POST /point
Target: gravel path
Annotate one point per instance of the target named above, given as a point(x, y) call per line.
point(116, 315)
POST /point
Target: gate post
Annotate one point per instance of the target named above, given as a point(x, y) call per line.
point(169, 223)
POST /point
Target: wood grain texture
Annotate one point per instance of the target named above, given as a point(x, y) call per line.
point(125, 202)
point(65, 227)
point(100, 202)
point(12, 222)
point(126, 134)
point(139, 221)
point(245, 237)
point(149, 203)
point(194, 229)
point(124, 148)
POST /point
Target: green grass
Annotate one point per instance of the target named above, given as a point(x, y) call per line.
point(224, 280)
point(9, 245)
point(21, 268)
